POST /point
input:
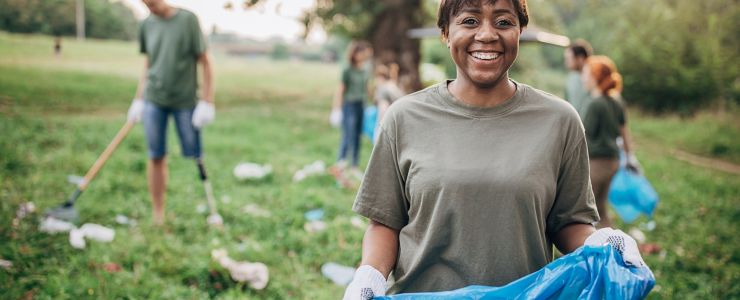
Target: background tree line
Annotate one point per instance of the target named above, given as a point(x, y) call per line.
point(103, 19)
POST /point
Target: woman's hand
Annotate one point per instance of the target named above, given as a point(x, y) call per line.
point(367, 283)
point(621, 242)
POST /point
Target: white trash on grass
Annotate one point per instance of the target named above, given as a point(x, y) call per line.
point(77, 238)
point(52, 225)
point(339, 274)
point(124, 220)
point(255, 210)
point(6, 264)
point(25, 209)
point(255, 274)
point(315, 168)
point(98, 232)
point(315, 226)
point(251, 171)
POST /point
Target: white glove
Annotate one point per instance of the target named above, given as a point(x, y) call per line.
point(335, 118)
point(633, 164)
point(204, 114)
point(621, 242)
point(136, 110)
point(366, 284)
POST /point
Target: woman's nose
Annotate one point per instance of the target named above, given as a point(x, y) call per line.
point(486, 33)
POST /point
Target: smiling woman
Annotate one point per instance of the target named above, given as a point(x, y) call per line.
point(472, 181)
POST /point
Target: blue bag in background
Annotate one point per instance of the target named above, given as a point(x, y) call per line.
point(630, 194)
point(588, 273)
point(369, 121)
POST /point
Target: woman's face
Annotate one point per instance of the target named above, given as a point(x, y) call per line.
point(588, 80)
point(484, 42)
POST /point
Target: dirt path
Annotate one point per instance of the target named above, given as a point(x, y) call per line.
point(697, 160)
point(706, 162)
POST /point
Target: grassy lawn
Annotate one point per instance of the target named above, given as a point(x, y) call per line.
point(58, 113)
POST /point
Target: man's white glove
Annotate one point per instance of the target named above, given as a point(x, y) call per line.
point(335, 118)
point(366, 284)
point(204, 114)
point(621, 242)
point(136, 110)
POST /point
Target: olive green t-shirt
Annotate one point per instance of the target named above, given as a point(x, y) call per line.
point(576, 94)
point(355, 84)
point(173, 46)
point(477, 193)
point(604, 117)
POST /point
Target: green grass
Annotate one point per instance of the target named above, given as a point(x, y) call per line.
point(58, 113)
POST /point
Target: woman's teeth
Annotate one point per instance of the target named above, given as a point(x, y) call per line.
point(485, 55)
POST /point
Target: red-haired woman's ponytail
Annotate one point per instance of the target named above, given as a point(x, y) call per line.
point(605, 74)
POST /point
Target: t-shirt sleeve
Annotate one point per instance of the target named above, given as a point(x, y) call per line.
point(574, 199)
point(622, 117)
point(381, 197)
point(199, 42)
point(142, 38)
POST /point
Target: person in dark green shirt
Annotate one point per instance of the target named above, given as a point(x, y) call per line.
point(174, 45)
point(604, 121)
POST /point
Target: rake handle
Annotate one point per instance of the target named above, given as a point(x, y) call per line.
point(105, 155)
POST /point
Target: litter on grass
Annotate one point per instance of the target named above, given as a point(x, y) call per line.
point(52, 225)
point(358, 222)
point(314, 214)
point(25, 209)
point(315, 226)
point(251, 171)
point(77, 238)
point(6, 264)
point(124, 220)
point(98, 232)
point(255, 210)
point(90, 231)
point(255, 274)
point(316, 168)
point(638, 235)
point(339, 274)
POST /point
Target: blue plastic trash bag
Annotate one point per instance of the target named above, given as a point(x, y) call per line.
point(590, 272)
point(631, 194)
point(369, 120)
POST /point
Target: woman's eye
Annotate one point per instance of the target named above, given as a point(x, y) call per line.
point(504, 23)
point(470, 21)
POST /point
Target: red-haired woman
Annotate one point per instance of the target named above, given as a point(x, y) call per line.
point(604, 121)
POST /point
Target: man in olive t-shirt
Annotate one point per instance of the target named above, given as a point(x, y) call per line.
point(575, 56)
point(173, 44)
point(478, 194)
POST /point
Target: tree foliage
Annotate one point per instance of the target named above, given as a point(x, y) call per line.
point(674, 55)
point(103, 19)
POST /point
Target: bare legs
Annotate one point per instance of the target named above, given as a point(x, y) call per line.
point(157, 177)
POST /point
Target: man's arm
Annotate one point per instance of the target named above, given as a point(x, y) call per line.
point(380, 247)
point(573, 236)
point(208, 91)
point(142, 80)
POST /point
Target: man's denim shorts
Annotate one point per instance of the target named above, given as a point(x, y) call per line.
point(155, 129)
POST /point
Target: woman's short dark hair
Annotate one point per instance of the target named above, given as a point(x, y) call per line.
point(450, 8)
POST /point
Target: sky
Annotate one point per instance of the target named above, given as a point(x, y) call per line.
point(273, 18)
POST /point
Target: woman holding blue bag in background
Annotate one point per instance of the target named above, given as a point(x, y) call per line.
point(605, 120)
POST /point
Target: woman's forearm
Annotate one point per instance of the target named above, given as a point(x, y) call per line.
point(380, 247)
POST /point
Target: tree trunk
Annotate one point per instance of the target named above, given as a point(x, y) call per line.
point(390, 41)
